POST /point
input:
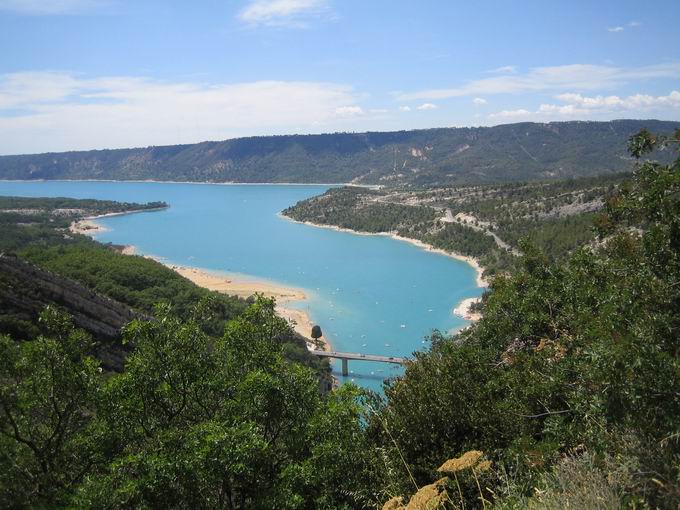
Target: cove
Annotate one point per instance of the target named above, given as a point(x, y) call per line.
point(369, 294)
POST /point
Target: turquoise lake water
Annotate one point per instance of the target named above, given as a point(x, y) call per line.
point(370, 294)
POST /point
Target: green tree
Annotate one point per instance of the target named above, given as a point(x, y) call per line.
point(223, 423)
point(48, 388)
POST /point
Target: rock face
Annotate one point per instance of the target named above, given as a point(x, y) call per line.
point(25, 290)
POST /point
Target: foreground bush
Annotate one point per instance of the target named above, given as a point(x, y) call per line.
point(192, 422)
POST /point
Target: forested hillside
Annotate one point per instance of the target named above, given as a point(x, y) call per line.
point(505, 153)
point(485, 222)
point(26, 289)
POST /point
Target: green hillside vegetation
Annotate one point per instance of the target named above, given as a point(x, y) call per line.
point(61, 207)
point(36, 230)
point(566, 394)
point(555, 216)
point(25, 290)
point(27, 220)
point(431, 157)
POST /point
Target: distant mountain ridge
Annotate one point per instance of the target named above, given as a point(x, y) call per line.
point(441, 156)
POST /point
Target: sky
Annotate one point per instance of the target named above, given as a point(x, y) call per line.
point(94, 74)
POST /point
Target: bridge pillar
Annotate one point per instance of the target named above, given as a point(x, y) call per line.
point(345, 368)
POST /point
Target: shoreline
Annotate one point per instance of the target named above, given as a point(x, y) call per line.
point(234, 284)
point(88, 225)
point(480, 280)
point(226, 283)
point(462, 309)
point(240, 286)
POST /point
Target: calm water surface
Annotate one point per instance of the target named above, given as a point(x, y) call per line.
point(370, 294)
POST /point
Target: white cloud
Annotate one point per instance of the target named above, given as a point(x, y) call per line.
point(615, 29)
point(573, 76)
point(284, 13)
point(427, 106)
point(404, 108)
point(51, 7)
point(510, 114)
point(20, 90)
point(634, 24)
point(503, 70)
point(616, 103)
point(55, 111)
point(568, 109)
point(479, 101)
point(584, 107)
point(349, 111)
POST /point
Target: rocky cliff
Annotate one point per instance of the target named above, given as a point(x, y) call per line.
point(25, 290)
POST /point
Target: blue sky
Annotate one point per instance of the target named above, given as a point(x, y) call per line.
point(81, 74)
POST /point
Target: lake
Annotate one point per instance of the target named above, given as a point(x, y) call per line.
point(369, 294)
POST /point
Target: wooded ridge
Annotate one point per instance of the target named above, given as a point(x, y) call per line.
point(429, 157)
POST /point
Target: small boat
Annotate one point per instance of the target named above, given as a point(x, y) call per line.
point(403, 326)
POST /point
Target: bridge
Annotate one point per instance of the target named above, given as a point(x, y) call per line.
point(346, 356)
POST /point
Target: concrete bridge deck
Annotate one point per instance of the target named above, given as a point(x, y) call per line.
point(346, 356)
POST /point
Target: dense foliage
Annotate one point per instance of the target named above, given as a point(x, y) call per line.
point(65, 207)
point(338, 207)
point(193, 422)
point(135, 281)
point(505, 153)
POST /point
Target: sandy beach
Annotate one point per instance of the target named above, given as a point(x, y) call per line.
point(463, 309)
point(244, 288)
point(86, 226)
